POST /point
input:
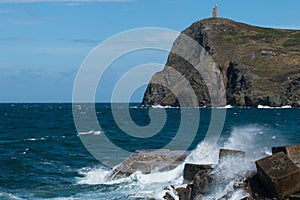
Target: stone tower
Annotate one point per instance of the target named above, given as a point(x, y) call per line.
point(215, 11)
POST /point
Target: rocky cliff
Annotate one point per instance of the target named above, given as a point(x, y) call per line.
point(246, 65)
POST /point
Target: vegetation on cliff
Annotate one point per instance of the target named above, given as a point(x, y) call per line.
point(258, 66)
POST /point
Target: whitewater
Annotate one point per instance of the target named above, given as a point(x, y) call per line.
point(251, 139)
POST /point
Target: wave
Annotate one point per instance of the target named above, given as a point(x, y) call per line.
point(224, 107)
point(93, 176)
point(160, 106)
point(90, 133)
point(8, 196)
point(269, 107)
point(255, 140)
point(35, 139)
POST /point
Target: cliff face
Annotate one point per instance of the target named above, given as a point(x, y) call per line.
point(248, 65)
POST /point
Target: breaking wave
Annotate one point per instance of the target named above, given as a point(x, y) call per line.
point(269, 107)
point(90, 133)
point(256, 141)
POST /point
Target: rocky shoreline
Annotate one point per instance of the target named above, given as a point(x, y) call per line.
point(276, 177)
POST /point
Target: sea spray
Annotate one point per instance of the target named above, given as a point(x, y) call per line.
point(93, 176)
point(229, 174)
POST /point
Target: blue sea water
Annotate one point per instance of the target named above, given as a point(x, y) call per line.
point(43, 157)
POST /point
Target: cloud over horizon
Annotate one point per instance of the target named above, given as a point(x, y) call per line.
point(6, 10)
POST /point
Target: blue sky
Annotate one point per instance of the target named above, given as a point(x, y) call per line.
point(43, 43)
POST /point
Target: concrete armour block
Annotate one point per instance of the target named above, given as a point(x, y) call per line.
point(190, 170)
point(228, 153)
point(293, 152)
point(278, 174)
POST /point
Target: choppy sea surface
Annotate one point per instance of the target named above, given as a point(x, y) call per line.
point(42, 155)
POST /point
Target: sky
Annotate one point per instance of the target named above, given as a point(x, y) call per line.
point(44, 43)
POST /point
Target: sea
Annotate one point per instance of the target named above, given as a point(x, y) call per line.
point(44, 155)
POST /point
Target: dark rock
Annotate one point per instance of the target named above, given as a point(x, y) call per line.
point(295, 196)
point(190, 170)
point(117, 174)
point(225, 153)
point(184, 193)
point(255, 188)
point(293, 152)
point(167, 196)
point(279, 175)
point(202, 182)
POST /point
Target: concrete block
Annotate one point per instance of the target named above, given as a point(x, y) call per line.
point(293, 152)
point(190, 170)
point(202, 183)
point(279, 175)
point(225, 153)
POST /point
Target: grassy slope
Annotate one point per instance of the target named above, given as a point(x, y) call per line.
point(273, 53)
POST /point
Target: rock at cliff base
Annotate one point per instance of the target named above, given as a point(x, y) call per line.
point(293, 152)
point(279, 175)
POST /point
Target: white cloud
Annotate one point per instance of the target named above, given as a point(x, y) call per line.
point(54, 71)
point(5, 10)
point(64, 1)
point(12, 38)
point(146, 38)
point(290, 27)
point(88, 41)
point(24, 21)
point(31, 21)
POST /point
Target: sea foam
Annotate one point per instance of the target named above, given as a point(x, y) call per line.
point(254, 140)
point(269, 107)
point(90, 133)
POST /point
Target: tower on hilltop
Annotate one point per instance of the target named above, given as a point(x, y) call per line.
point(215, 11)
